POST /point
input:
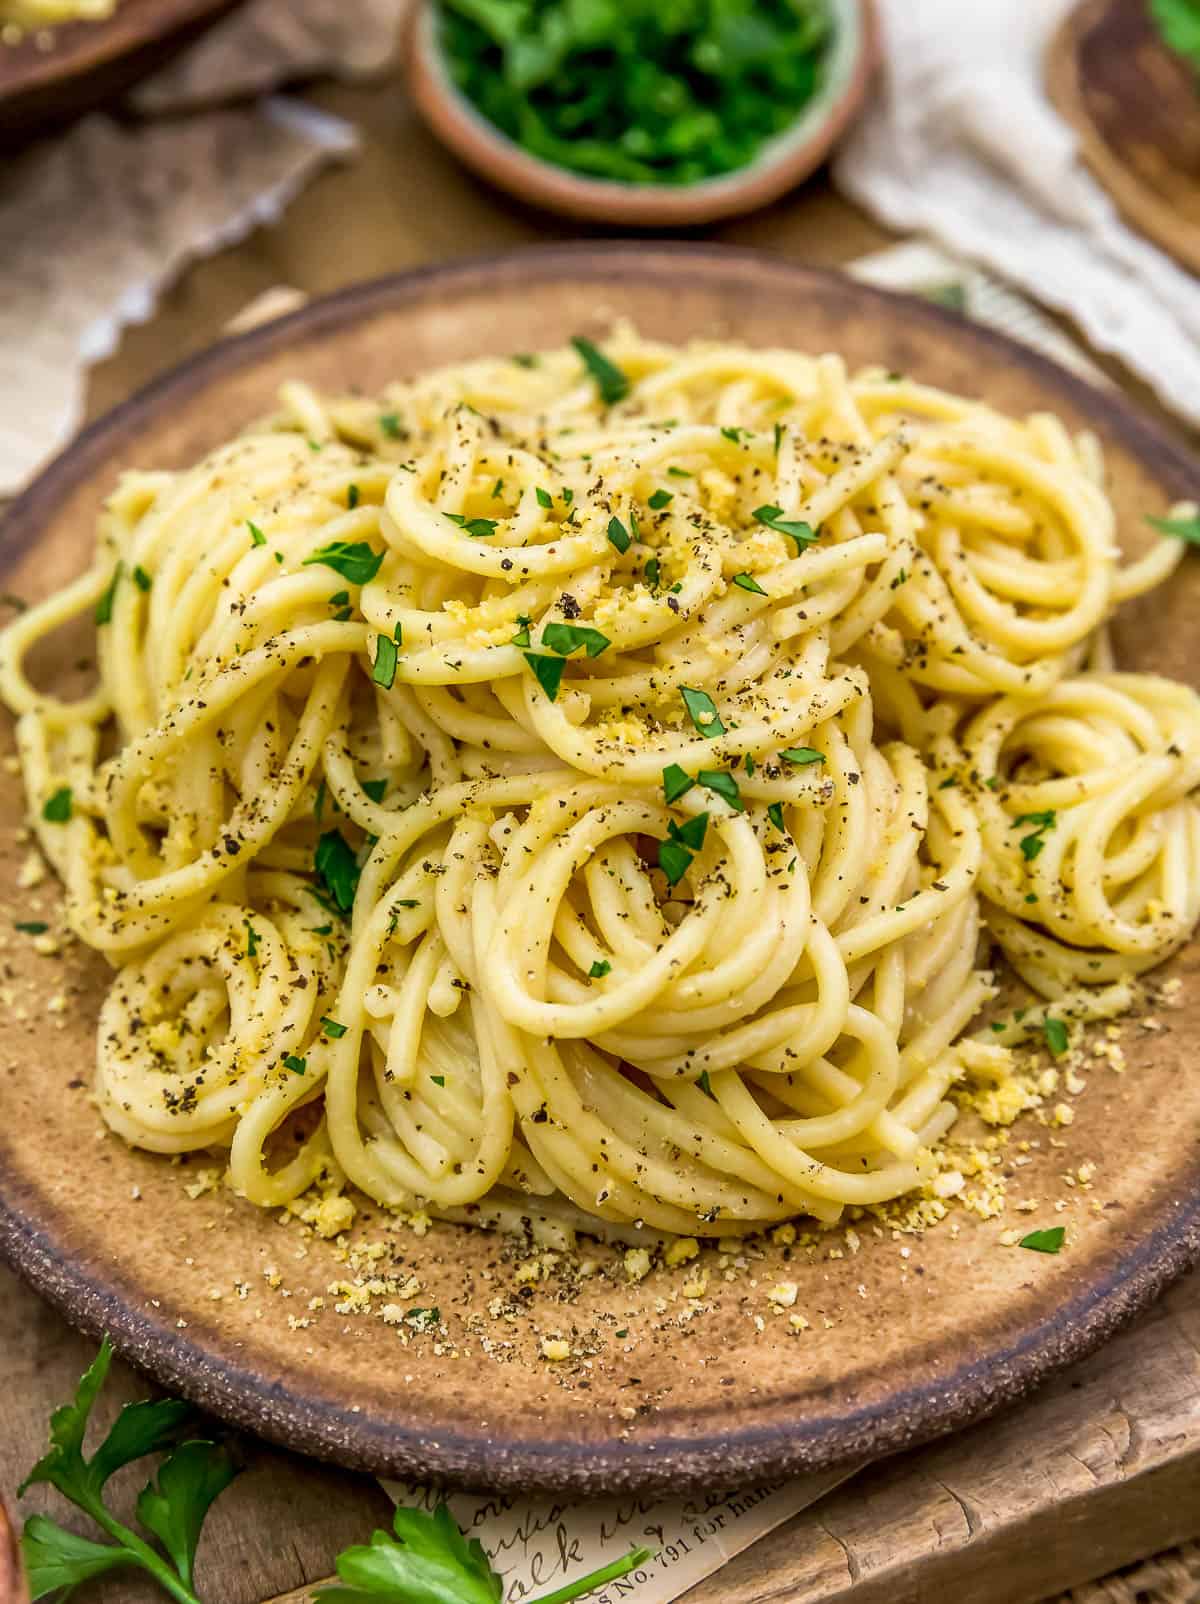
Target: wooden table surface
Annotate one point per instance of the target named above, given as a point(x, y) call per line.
point(1101, 1468)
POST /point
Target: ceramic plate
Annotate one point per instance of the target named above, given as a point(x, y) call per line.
point(908, 1336)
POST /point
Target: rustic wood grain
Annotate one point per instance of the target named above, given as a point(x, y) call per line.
point(1135, 107)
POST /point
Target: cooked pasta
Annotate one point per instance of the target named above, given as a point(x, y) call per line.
point(27, 14)
point(595, 785)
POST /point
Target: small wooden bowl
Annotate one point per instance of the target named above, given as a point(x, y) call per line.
point(782, 164)
point(90, 63)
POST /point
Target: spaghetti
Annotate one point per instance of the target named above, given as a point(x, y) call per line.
point(592, 784)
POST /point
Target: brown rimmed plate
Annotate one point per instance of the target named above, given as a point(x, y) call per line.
point(907, 1337)
point(54, 75)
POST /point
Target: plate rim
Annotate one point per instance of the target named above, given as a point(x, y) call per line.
point(777, 1443)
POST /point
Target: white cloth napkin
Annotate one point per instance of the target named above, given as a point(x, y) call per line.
point(960, 143)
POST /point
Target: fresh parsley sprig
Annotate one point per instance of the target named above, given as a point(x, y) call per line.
point(427, 1561)
point(171, 1507)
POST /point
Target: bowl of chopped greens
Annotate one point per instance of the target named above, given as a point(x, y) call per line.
point(659, 113)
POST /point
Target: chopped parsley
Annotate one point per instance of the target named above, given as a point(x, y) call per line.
point(702, 711)
point(653, 572)
point(356, 561)
point(794, 528)
point(775, 814)
point(333, 1028)
point(424, 1319)
point(661, 499)
point(1183, 528)
point(1055, 1032)
point(618, 535)
point(748, 582)
point(680, 473)
point(296, 1065)
point(524, 359)
point(548, 671)
point(567, 638)
point(1048, 1241)
point(723, 785)
point(104, 607)
point(676, 782)
point(257, 538)
point(544, 498)
point(383, 670)
point(705, 1085)
point(339, 598)
point(612, 384)
point(480, 528)
point(251, 939)
point(1032, 844)
point(352, 497)
point(802, 755)
point(31, 927)
point(389, 422)
point(438, 1080)
point(674, 860)
point(734, 434)
point(599, 969)
point(337, 870)
point(57, 808)
point(375, 789)
point(521, 638)
point(141, 578)
point(690, 834)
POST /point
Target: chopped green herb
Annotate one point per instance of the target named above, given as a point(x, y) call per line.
point(257, 538)
point(568, 496)
point(567, 638)
point(251, 939)
point(1182, 528)
point(1048, 1241)
point(479, 528)
point(748, 582)
point(424, 1319)
point(375, 789)
point(750, 763)
point(705, 1085)
point(680, 473)
point(653, 572)
point(800, 756)
point(523, 359)
point(31, 927)
point(734, 434)
point(296, 1065)
point(57, 808)
point(1055, 1032)
point(674, 860)
point(612, 384)
point(389, 422)
point(352, 497)
point(676, 782)
point(618, 535)
point(521, 638)
point(660, 499)
point(778, 437)
point(775, 814)
point(548, 671)
point(383, 670)
point(691, 833)
point(1032, 844)
point(104, 607)
point(702, 711)
point(141, 578)
point(337, 870)
point(497, 488)
point(952, 296)
point(948, 783)
point(339, 598)
point(599, 969)
point(723, 785)
point(333, 1028)
point(794, 528)
point(544, 498)
point(356, 561)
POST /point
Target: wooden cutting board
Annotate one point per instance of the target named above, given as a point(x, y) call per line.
point(1136, 109)
point(1100, 1467)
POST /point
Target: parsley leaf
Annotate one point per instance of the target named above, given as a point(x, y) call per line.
point(251, 939)
point(257, 538)
point(548, 671)
point(653, 572)
point(1184, 528)
point(802, 755)
point(567, 638)
point(1048, 1241)
point(480, 528)
point(337, 870)
point(690, 834)
point(775, 814)
point(1055, 1032)
point(356, 561)
point(676, 782)
point(544, 498)
point(333, 1028)
point(142, 579)
point(375, 789)
point(104, 607)
point(794, 528)
point(748, 582)
point(351, 497)
point(521, 638)
point(296, 1065)
point(705, 1085)
point(702, 711)
point(661, 499)
point(724, 785)
point(57, 808)
point(618, 535)
point(31, 927)
point(383, 670)
point(599, 969)
point(172, 1507)
point(674, 860)
point(612, 384)
point(1032, 844)
point(389, 422)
